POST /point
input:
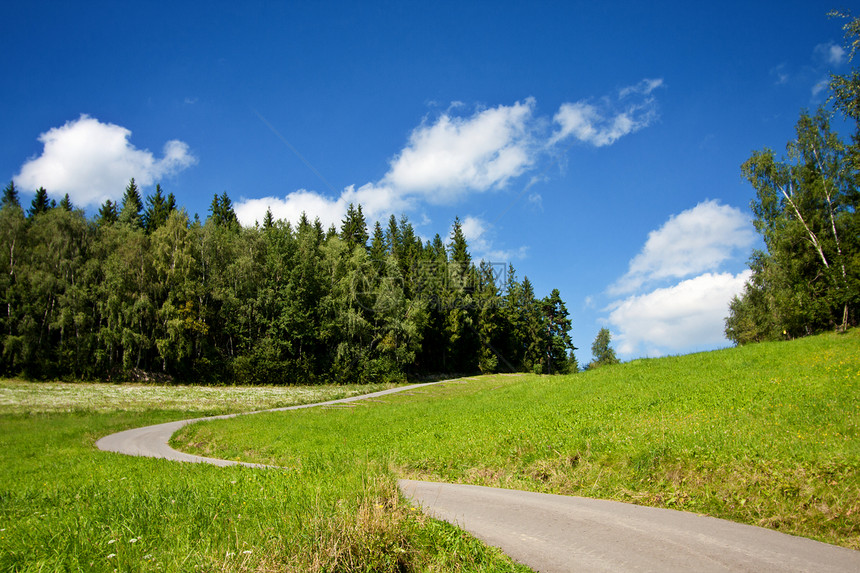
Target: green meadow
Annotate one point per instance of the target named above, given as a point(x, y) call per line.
point(764, 434)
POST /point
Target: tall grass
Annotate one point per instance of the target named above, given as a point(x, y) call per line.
point(764, 434)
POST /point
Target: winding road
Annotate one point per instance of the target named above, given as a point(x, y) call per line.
point(554, 533)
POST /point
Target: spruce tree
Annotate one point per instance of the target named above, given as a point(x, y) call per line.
point(10, 196)
point(378, 245)
point(107, 213)
point(353, 228)
point(132, 206)
point(66, 204)
point(40, 203)
point(158, 209)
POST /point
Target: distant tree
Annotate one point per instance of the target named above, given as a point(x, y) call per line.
point(558, 331)
point(603, 353)
point(378, 244)
point(158, 209)
point(132, 205)
point(221, 212)
point(66, 204)
point(353, 229)
point(10, 196)
point(269, 220)
point(40, 203)
point(107, 213)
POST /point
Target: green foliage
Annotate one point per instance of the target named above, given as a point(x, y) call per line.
point(10, 196)
point(157, 294)
point(604, 354)
point(158, 208)
point(107, 213)
point(132, 205)
point(221, 212)
point(40, 203)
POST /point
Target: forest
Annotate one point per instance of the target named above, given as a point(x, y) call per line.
point(141, 291)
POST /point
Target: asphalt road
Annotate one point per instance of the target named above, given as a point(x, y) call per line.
point(552, 533)
point(555, 533)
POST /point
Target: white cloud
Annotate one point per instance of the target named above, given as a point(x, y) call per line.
point(455, 155)
point(478, 236)
point(684, 317)
point(605, 124)
point(452, 156)
point(291, 207)
point(645, 87)
point(694, 241)
point(93, 161)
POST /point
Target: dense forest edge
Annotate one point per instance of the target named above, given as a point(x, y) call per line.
point(145, 292)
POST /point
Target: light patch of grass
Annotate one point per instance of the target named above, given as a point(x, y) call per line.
point(17, 396)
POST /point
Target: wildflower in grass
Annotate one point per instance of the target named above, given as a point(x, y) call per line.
point(246, 552)
point(111, 556)
point(133, 540)
point(112, 541)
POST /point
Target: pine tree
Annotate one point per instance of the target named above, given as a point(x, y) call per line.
point(353, 229)
point(66, 204)
point(10, 196)
point(132, 206)
point(40, 203)
point(107, 213)
point(221, 212)
point(558, 325)
point(269, 220)
point(158, 209)
point(378, 244)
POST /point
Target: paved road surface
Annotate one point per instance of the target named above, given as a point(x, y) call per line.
point(563, 533)
point(560, 533)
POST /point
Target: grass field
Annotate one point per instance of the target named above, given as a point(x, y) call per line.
point(64, 506)
point(766, 434)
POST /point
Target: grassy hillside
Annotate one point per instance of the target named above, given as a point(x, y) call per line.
point(765, 434)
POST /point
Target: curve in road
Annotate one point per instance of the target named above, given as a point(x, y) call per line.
point(554, 533)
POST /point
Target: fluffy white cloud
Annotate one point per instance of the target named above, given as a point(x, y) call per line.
point(681, 318)
point(93, 161)
point(377, 202)
point(605, 124)
point(290, 208)
point(455, 155)
point(694, 241)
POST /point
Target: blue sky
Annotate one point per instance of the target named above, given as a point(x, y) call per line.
point(596, 146)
